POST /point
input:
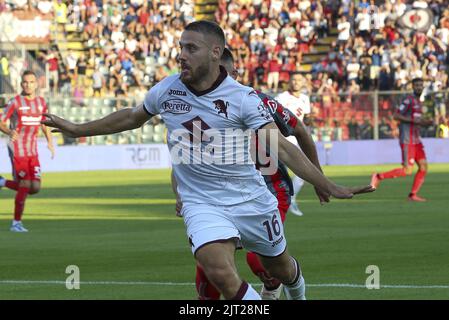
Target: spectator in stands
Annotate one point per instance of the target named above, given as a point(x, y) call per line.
point(65, 83)
point(4, 67)
point(344, 31)
point(274, 67)
point(327, 94)
point(60, 9)
point(71, 61)
point(354, 129)
point(51, 58)
point(337, 132)
point(366, 130)
point(443, 128)
point(81, 68)
point(98, 83)
point(385, 131)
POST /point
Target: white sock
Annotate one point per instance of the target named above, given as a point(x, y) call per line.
point(297, 289)
point(251, 294)
point(297, 185)
point(2, 182)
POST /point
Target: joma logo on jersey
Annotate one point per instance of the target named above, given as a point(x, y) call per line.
point(174, 92)
point(222, 107)
point(176, 106)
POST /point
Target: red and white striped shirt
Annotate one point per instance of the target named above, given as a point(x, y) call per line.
point(25, 118)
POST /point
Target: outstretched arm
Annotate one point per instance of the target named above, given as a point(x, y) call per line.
point(307, 145)
point(122, 120)
point(297, 161)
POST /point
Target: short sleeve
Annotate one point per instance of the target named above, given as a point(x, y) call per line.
point(8, 111)
point(285, 120)
point(254, 112)
point(404, 106)
point(150, 103)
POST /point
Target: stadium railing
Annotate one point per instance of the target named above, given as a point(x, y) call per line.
point(371, 114)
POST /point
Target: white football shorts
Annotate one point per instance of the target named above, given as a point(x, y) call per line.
point(255, 224)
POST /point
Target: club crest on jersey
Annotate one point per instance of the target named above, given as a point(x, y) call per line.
point(222, 107)
point(176, 106)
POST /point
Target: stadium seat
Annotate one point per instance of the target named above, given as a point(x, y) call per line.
point(67, 102)
point(99, 140)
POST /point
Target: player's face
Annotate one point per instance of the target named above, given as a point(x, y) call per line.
point(418, 87)
point(194, 58)
point(29, 84)
point(295, 83)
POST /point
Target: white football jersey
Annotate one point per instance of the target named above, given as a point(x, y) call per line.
point(300, 106)
point(190, 116)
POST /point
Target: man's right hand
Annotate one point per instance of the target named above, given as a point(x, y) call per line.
point(13, 135)
point(62, 126)
point(341, 192)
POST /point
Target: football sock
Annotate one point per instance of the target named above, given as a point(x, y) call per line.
point(418, 181)
point(13, 185)
point(206, 290)
point(258, 269)
point(395, 173)
point(296, 290)
point(21, 196)
point(246, 292)
point(297, 185)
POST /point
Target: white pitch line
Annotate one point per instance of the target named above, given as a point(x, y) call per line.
point(145, 283)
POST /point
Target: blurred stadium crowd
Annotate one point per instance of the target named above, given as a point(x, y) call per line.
point(345, 49)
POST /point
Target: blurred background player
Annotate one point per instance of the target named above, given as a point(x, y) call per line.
point(295, 100)
point(279, 184)
point(410, 117)
point(24, 113)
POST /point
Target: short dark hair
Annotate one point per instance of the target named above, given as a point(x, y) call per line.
point(227, 56)
point(294, 73)
point(29, 72)
point(417, 79)
point(208, 28)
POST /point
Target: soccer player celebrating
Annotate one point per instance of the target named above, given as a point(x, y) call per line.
point(279, 184)
point(24, 112)
point(299, 104)
point(224, 205)
point(410, 117)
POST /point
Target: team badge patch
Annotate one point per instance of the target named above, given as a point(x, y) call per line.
point(222, 107)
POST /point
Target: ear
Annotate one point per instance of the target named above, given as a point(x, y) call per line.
point(217, 51)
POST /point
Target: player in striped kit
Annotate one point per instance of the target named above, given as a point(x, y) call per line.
point(410, 116)
point(24, 113)
point(299, 104)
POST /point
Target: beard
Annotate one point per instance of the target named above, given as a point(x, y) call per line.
point(194, 76)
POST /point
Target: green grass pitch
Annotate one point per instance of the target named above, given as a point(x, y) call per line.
point(120, 229)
